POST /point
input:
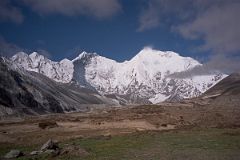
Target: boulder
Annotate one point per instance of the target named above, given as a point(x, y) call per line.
point(14, 154)
point(33, 153)
point(49, 145)
point(47, 125)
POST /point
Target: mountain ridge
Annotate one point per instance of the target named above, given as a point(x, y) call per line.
point(145, 76)
point(30, 93)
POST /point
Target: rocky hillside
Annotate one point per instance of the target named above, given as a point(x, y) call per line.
point(226, 93)
point(24, 92)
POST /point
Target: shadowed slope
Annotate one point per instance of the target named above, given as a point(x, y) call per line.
point(23, 92)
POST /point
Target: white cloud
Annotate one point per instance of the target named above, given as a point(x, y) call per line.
point(217, 63)
point(10, 13)
point(157, 10)
point(216, 22)
point(218, 27)
point(149, 18)
point(96, 8)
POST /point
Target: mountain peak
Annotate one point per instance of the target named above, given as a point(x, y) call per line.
point(65, 60)
point(85, 55)
point(35, 55)
point(20, 54)
point(21, 58)
point(149, 54)
point(148, 51)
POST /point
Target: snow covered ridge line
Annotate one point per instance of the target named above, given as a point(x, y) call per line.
point(59, 71)
point(143, 77)
point(62, 71)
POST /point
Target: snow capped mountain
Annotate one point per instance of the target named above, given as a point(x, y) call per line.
point(59, 71)
point(146, 76)
point(143, 78)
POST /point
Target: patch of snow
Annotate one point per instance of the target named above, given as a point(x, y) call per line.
point(158, 98)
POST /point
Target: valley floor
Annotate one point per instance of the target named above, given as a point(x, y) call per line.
point(162, 132)
point(193, 144)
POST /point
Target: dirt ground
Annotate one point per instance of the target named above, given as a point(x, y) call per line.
point(115, 121)
point(166, 131)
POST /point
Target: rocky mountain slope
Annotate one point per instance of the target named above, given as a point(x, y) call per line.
point(219, 106)
point(24, 92)
point(143, 79)
point(226, 93)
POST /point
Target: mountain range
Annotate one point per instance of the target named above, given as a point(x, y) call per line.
point(143, 79)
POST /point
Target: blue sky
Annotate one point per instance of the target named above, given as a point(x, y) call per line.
point(118, 29)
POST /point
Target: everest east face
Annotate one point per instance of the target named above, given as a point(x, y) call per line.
point(144, 78)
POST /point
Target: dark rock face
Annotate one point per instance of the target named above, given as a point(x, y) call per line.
point(23, 92)
point(5, 98)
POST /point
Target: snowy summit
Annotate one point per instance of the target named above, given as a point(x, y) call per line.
point(143, 79)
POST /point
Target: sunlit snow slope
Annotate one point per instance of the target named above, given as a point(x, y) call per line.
point(144, 78)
